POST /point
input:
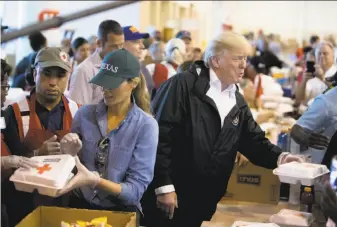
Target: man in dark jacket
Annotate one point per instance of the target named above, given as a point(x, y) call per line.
point(203, 123)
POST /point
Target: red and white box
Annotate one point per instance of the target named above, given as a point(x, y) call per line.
point(52, 175)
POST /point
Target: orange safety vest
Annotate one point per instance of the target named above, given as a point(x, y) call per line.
point(24, 121)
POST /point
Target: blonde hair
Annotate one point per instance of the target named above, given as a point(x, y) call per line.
point(141, 95)
point(226, 41)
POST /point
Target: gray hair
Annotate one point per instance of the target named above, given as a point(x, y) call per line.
point(327, 43)
point(154, 47)
point(226, 41)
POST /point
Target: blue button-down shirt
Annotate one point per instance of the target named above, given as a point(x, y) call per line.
point(321, 115)
point(132, 152)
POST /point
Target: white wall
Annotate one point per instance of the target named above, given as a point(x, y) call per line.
point(290, 19)
point(27, 12)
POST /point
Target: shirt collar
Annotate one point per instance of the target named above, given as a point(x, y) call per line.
point(216, 83)
point(96, 59)
point(331, 71)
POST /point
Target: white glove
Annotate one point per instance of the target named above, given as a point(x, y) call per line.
point(330, 223)
point(70, 144)
point(286, 157)
point(84, 177)
point(13, 161)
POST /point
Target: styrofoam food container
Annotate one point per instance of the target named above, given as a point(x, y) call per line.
point(305, 173)
point(253, 224)
point(51, 176)
point(292, 218)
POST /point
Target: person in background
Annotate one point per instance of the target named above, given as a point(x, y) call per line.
point(37, 41)
point(127, 137)
point(80, 50)
point(157, 52)
point(6, 69)
point(319, 123)
point(156, 35)
point(196, 54)
point(268, 58)
point(92, 40)
point(187, 38)
point(175, 54)
point(314, 41)
point(110, 38)
point(134, 44)
point(147, 59)
point(80, 47)
point(314, 84)
point(66, 46)
point(134, 41)
point(200, 134)
point(8, 161)
point(35, 124)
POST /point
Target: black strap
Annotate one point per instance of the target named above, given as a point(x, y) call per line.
point(331, 151)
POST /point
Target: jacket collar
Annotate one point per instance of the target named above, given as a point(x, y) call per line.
point(203, 79)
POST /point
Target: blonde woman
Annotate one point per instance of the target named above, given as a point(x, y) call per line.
point(116, 140)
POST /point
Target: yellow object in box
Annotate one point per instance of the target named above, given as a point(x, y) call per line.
point(97, 222)
point(53, 216)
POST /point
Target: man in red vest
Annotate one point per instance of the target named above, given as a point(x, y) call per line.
point(37, 123)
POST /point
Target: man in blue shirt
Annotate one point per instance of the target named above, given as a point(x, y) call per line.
point(317, 125)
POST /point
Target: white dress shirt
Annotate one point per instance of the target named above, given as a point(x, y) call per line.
point(316, 86)
point(80, 90)
point(224, 100)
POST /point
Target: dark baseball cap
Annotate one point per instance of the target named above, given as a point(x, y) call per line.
point(131, 33)
point(183, 34)
point(117, 66)
point(53, 56)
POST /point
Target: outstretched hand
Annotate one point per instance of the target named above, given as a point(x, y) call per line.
point(84, 177)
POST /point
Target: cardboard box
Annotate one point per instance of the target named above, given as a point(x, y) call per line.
point(253, 184)
point(52, 217)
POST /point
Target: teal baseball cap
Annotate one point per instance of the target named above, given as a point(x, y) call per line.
point(116, 67)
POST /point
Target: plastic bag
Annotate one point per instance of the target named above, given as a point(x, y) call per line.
point(96, 222)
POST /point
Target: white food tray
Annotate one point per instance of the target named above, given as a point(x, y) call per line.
point(42, 189)
point(285, 220)
point(292, 179)
point(53, 173)
point(253, 224)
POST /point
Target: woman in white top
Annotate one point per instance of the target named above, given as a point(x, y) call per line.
point(80, 48)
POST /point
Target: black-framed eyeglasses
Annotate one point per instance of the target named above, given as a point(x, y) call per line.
point(5, 87)
point(102, 156)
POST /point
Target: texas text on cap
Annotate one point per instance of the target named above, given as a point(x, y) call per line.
point(53, 56)
point(183, 35)
point(117, 66)
point(131, 33)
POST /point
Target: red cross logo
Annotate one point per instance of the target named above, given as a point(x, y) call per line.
point(41, 170)
point(64, 57)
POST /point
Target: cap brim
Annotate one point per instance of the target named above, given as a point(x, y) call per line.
point(108, 82)
point(54, 64)
point(138, 36)
point(186, 37)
